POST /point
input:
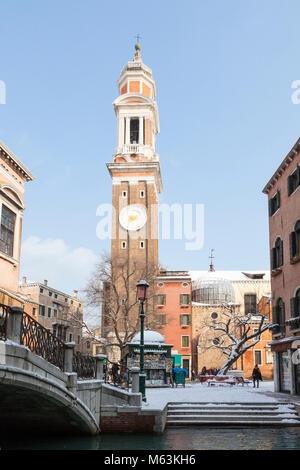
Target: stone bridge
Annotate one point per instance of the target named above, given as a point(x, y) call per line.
point(45, 387)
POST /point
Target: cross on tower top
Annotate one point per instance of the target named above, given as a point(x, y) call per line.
point(211, 266)
point(138, 37)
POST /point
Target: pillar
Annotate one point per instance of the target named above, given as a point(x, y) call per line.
point(292, 373)
point(141, 131)
point(135, 384)
point(127, 131)
point(99, 366)
point(276, 372)
point(14, 324)
point(69, 353)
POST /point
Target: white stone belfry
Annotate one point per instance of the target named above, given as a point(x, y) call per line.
point(136, 112)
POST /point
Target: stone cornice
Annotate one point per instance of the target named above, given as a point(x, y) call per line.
point(284, 164)
point(15, 163)
point(129, 167)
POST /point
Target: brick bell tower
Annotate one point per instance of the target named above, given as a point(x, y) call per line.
point(135, 170)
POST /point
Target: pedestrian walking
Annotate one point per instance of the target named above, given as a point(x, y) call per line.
point(256, 376)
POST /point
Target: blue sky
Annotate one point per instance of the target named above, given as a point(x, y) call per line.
point(223, 70)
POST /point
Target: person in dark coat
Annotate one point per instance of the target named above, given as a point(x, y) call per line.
point(115, 370)
point(256, 376)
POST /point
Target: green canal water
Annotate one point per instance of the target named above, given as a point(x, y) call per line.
point(173, 439)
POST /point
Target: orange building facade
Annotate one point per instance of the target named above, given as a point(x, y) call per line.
point(174, 312)
point(13, 176)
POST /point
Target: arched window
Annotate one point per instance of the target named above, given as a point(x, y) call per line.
point(295, 241)
point(295, 305)
point(277, 254)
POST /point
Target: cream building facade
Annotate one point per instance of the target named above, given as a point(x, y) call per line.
point(211, 290)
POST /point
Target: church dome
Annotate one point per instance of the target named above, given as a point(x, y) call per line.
point(150, 337)
point(212, 289)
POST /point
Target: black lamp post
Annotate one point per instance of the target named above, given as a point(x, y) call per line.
point(142, 291)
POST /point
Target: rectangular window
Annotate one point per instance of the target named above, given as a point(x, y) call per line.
point(250, 303)
point(55, 296)
point(7, 231)
point(41, 290)
point(257, 337)
point(49, 312)
point(185, 299)
point(42, 310)
point(70, 338)
point(294, 181)
point(161, 320)
point(269, 356)
point(257, 357)
point(55, 312)
point(274, 203)
point(34, 311)
point(50, 294)
point(185, 320)
point(78, 339)
point(185, 341)
point(161, 299)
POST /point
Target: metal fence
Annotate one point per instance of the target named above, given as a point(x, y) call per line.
point(41, 341)
point(84, 366)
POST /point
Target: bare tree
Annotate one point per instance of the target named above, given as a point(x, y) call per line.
point(112, 289)
point(234, 336)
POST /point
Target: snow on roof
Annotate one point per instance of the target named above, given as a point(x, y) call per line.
point(150, 337)
point(229, 275)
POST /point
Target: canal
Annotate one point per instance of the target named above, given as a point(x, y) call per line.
point(287, 438)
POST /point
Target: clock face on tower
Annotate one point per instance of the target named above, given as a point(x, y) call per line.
point(133, 217)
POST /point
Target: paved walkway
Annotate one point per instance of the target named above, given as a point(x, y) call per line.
point(158, 398)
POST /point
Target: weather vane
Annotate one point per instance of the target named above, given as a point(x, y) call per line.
point(138, 37)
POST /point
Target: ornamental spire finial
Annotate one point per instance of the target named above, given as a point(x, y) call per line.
point(137, 56)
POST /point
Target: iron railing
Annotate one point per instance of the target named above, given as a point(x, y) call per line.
point(41, 341)
point(84, 366)
point(4, 311)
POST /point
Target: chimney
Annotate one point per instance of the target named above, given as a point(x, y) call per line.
point(75, 293)
point(45, 282)
point(24, 280)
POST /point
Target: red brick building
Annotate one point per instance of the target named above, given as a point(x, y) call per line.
point(173, 306)
point(284, 229)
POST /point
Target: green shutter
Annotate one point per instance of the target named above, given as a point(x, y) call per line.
point(181, 299)
point(294, 307)
point(275, 315)
point(273, 258)
point(290, 185)
point(293, 245)
point(281, 253)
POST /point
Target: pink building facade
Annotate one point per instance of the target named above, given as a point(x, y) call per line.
point(283, 192)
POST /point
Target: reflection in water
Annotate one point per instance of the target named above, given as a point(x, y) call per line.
point(173, 439)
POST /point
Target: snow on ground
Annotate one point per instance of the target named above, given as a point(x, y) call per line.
point(157, 398)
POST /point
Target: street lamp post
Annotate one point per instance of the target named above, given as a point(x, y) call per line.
point(142, 290)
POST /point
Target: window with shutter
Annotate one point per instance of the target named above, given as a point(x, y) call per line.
point(161, 299)
point(274, 203)
point(294, 307)
point(293, 249)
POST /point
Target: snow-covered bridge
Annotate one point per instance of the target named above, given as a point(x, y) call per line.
point(44, 386)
